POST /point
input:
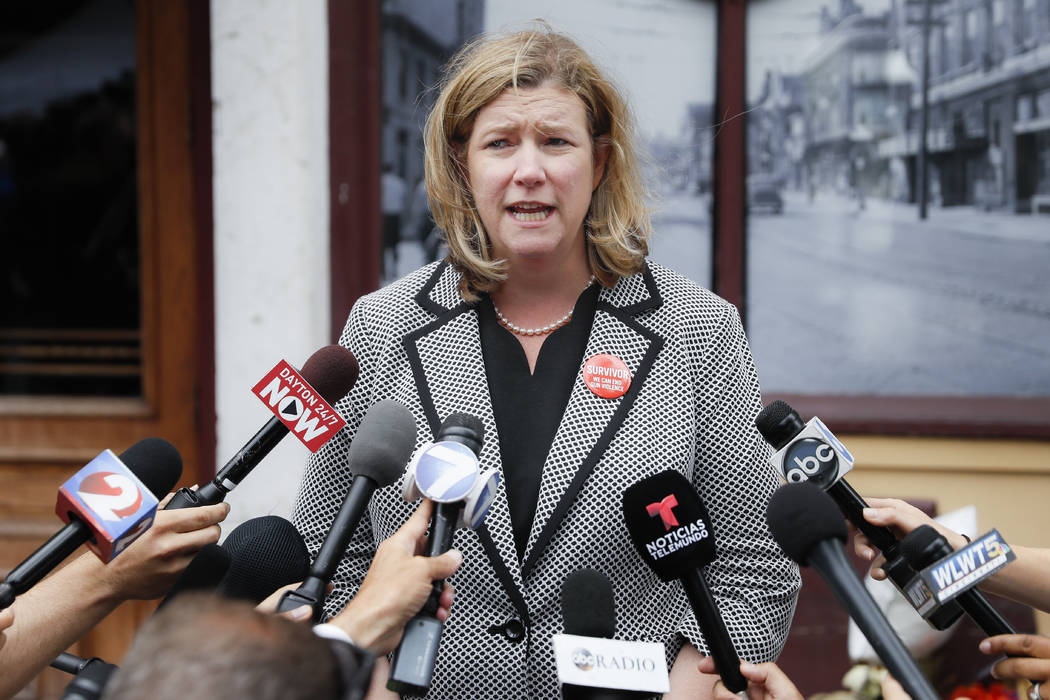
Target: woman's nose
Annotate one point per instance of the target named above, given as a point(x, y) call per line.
point(529, 171)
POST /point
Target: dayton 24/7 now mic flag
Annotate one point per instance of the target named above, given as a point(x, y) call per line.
point(299, 406)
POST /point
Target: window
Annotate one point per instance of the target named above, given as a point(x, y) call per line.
point(948, 42)
point(1042, 104)
point(69, 274)
point(970, 47)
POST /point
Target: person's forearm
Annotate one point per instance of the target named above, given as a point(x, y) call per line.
point(1025, 579)
point(687, 683)
point(50, 617)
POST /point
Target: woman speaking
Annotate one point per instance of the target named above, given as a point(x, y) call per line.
point(589, 367)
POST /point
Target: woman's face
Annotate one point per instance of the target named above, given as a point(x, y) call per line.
point(532, 168)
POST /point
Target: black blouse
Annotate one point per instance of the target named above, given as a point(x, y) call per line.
point(528, 407)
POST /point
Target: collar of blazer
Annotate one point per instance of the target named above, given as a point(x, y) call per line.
point(449, 373)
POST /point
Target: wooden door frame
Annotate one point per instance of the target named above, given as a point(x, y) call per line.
point(44, 440)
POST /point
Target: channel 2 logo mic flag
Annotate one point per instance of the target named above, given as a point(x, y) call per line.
point(668, 524)
point(299, 406)
point(107, 497)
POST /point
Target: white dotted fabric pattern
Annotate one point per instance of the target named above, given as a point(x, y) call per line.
point(691, 407)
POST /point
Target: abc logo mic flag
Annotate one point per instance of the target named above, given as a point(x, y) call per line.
point(668, 524)
point(299, 406)
point(107, 497)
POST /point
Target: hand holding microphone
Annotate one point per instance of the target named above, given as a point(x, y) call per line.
point(398, 583)
point(809, 452)
point(327, 375)
point(61, 609)
point(7, 618)
point(107, 504)
point(1029, 660)
point(765, 681)
point(809, 528)
point(376, 458)
point(152, 564)
point(448, 473)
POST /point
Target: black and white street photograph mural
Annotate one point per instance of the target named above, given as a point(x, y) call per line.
point(898, 175)
point(899, 196)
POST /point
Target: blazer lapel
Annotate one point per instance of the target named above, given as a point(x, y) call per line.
point(590, 422)
point(449, 373)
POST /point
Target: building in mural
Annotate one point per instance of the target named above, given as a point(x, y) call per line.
point(848, 121)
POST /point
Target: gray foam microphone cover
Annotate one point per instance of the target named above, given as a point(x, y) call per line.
point(383, 444)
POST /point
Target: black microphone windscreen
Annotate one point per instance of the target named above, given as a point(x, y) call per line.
point(156, 463)
point(588, 608)
point(332, 371)
point(801, 515)
point(204, 572)
point(383, 444)
point(464, 428)
point(265, 553)
point(924, 546)
point(779, 423)
point(668, 524)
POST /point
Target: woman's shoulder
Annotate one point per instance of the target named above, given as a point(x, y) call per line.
point(405, 291)
point(681, 295)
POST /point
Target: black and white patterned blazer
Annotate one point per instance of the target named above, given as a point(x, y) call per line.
point(690, 406)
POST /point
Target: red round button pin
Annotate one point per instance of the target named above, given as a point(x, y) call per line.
point(607, 376)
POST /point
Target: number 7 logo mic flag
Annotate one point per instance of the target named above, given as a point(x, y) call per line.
point(111, 501)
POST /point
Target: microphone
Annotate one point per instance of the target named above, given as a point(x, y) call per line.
point(331, 371)
point(672, 532)
point(376, 458)
point(204, 572)
point(810, 452)
point(446, 472)
point(588, 609)
point(89, 676)
point(107, 504)
point(923, 547)
point(809, 528)
point(265, 553)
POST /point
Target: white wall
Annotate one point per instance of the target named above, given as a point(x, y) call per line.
point(270, 144)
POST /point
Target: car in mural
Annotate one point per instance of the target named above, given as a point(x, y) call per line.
point(763, 193)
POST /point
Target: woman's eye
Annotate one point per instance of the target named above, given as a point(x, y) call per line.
point(499, 143)
point(555, 141)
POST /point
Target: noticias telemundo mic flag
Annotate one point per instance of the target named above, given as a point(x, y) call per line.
point(111, 501)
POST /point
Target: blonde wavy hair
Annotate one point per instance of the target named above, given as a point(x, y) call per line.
point(617, 225)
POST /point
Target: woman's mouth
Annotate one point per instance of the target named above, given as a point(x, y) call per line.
point(530, 212)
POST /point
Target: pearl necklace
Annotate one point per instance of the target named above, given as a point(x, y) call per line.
point(545, 330)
